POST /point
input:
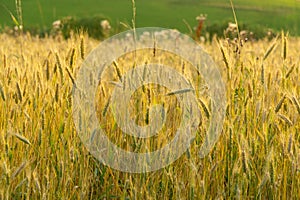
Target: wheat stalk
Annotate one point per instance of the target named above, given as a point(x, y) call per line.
point(285, 119)
point(4, 61)
point(270, 49)
point(290, 71)
point(19, 169)
point(72, 58)
point(278, 106)
point(205, 109)
point(19, 92)
point(58, 63)
point(296, 103)
point(71, 76)
point(262, 75)
point(82, 48)
point(290, 143)
point(118, 70)
point(23, 139)
point(284, 45)
point(2, 93)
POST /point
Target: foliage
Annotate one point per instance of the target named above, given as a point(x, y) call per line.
point(90, 25)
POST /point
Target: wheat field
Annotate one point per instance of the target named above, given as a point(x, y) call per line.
point(256, 157)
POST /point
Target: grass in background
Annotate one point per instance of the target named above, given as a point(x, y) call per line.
point(278, 14)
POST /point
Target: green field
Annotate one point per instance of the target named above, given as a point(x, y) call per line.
point(276, 14)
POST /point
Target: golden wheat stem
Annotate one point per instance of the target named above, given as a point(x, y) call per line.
point(296, 103)
point(23, 139)
point(118, 70)
point(225, 60)
point(290, 71)
point(82, 48)
point(205, 109)
point(47, 69)
point(71, 77)
point(56, 93)
point(290, 143)
point(19, 169)
point(270, 49)
point(19, 92)
point(4, 61)
point(105, 109)
point(181, 91)
point(272, 176)
point(58, 63)
point(262, 75)
point(278, 106)
point(72, 58)
point(285, 119)
point(250, 90)
point(244, 161)
point(2, 93)
point(284, 45)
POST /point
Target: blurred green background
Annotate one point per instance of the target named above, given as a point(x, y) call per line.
point(275, 14)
